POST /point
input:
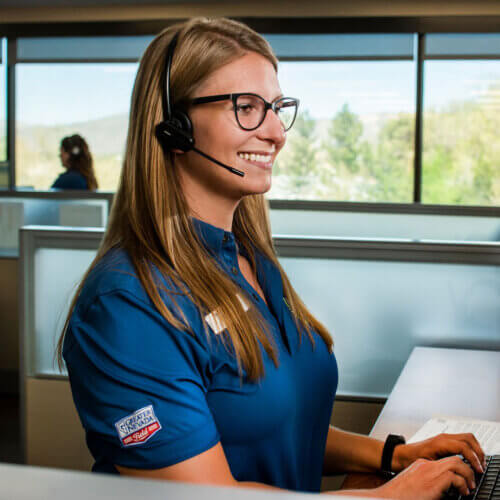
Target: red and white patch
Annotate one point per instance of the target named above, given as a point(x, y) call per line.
point(138, 427)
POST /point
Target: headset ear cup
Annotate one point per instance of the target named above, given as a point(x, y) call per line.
point(171, 136)
point(184, 122)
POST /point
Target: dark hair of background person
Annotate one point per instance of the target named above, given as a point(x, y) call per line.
point(80, 158)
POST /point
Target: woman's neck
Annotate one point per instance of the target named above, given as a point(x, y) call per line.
point(209, 206)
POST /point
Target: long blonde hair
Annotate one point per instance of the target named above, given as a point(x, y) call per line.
point(150, 218)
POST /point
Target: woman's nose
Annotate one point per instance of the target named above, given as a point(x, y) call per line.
point(272, 128)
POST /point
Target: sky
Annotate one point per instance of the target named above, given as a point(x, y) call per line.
point(54, 94)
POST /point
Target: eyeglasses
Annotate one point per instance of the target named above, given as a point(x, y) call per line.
point(250, 109)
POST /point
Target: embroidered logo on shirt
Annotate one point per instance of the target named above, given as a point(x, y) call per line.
point(138, 427)
point(216, 323)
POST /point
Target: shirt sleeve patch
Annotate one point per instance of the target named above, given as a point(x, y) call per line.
point(138, 427)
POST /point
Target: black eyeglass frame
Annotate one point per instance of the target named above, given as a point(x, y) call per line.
point(234, 97)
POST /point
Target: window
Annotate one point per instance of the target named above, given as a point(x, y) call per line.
point(56, 100)
point(4, 171)
point(461, 154)
point(83, 86)
point(353, 139)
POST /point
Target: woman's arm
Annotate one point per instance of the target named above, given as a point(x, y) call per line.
point(350, 452)
point(425, 480)
point(210, 467)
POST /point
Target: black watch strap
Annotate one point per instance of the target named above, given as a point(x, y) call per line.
point(390, 443)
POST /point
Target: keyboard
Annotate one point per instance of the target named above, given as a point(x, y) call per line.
point(487, 484)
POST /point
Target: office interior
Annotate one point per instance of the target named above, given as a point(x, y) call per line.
point(388, 197)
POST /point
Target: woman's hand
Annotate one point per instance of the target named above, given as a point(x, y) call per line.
point(442, 445)
point(428, 480)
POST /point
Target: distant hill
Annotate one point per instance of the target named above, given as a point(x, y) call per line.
point(105, 136)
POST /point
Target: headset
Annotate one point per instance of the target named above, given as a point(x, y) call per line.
point(176, 129)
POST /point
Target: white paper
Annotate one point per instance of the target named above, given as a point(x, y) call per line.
point(486, 432)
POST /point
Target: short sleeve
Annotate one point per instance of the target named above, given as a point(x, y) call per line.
point(139, 385)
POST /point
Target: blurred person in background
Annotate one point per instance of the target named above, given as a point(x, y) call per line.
point(77, 160)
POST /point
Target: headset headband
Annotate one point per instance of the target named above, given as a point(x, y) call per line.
point(165, 97)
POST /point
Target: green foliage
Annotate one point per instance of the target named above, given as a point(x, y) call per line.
point(461, 157)
point(344, 146)
point(391, 165)
point(298, 161)
point(3, 148)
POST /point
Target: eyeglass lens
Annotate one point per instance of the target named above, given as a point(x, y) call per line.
point(251, 109)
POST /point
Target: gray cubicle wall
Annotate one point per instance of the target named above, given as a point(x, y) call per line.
point(378, 297)
point(52, 262)
point(390, 220)
point(53, 208)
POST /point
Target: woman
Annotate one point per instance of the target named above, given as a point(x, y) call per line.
point(189, 353)
point(76, 159)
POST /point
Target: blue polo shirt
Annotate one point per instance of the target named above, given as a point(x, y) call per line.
point(150, 395)
point(71, 179)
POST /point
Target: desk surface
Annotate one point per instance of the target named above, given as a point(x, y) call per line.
point(454, 382)
point(24, 482)
point(436, 381)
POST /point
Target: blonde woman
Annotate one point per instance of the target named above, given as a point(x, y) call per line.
point(189, 353)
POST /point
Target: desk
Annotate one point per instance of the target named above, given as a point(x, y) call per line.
point(435, 381)
point(23, 482)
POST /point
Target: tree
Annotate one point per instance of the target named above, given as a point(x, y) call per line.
point(344, 147)
point(392, 165)
point(298, 160)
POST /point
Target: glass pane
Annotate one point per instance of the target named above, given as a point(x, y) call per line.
point(385, 225)
point(104, 47)
point(403, 305)
point(461, 150)
point(365, 45)
point(57, 274)
point(459, 44)
point(354, 134)
point(55, 100)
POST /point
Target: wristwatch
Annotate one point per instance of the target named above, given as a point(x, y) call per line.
point(391, 442)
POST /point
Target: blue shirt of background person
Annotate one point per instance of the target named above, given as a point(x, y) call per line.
point(76, 158)
point(71, 179)
point(190, 355)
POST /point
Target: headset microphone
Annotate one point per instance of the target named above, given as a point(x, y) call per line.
point(176, 131)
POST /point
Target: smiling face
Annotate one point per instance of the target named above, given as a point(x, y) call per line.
point(217, 133)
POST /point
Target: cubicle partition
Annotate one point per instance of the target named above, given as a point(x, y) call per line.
point(378, 297)
point(20, 208)
point(389, 220)
point(69, 209)
point(53, 261)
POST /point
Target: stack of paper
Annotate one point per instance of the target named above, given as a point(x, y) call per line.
point(487, 433)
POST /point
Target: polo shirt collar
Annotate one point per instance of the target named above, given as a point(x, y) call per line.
point(213, 237)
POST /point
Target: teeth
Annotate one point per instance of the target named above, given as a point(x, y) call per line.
point(255, 157)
